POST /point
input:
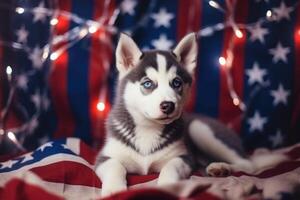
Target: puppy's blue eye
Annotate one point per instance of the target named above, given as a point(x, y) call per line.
point(147, 84)
point(176, 83)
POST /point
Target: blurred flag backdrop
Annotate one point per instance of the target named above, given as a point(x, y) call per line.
point(60, 97)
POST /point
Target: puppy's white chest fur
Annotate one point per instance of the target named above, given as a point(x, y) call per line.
point(147, 139)
point(135, 162)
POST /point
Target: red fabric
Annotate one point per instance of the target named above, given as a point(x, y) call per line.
point(18, 189)
point(296, 90)
point(100, 59)
point(1, 79)
point(147, 194)
point(59, 78)
point(60, 172)
point(189, 22)
point(228, 112)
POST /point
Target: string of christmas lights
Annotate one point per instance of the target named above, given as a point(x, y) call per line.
point(87, 27)
point(226, 62)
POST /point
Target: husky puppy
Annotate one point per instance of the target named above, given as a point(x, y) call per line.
point(147, 130)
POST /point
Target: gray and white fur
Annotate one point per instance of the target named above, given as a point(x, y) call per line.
point(147, 130)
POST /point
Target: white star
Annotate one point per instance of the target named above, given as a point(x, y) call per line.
point(276, 139)
point(256, 74)
point(280, 95)
point(31, 126)
point(279, 53)
point(8, 164)
point(162, 43)
point(39, 13)
point(22, 35)
point(27, 157)
point(282, 12)
point(258, 33)
point(36, 58)
point(162, 18)
point(44, 146)
point(127, 6)
point(22, 81)
point(257, 122)
point(36, 99)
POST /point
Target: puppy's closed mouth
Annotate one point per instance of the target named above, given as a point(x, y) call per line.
point(164, 118)
point(159, 119)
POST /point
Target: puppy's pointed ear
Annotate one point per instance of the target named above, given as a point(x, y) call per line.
point(127, 54)
point(186, 52)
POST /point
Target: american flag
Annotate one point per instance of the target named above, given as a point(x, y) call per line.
point(50, 168)
point(65, 92)
point(62, 169)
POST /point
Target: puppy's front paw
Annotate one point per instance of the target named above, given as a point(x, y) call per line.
point(175, 170)
point(165, 180)
point(112, 188)
point(218, 169)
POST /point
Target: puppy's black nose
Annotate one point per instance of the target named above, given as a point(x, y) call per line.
point(167, 107)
